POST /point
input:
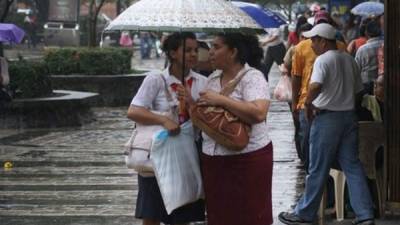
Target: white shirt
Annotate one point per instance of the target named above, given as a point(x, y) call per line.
point(272, 32)
point(151, 93)
point(251, 87)
point(340, 78)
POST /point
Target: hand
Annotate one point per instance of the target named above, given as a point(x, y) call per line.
point(295, 114)
point(172, 127)
point(209, 98)
point(183, 94)
point(309, 111)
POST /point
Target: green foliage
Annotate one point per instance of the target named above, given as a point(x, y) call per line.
point(91, 61)
point(29, 79)
point(62, 60)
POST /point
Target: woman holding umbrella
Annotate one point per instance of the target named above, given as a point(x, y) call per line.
point(238, 184)
point(152, 95)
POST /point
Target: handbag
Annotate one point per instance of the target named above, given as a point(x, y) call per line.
point(137, 148)
point(222, 126)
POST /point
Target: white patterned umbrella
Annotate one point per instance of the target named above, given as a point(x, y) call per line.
point(184, 15)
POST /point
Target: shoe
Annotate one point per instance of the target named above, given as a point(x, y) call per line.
point(292, 219)
point(363, 222)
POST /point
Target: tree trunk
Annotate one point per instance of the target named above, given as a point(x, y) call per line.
point(94, 11)
point(4, 14)
point(43, 7)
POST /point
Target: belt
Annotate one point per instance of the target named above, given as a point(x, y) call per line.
point(322, 111)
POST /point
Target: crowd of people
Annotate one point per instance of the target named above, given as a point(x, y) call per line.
point(337, 79)
point(335, 83)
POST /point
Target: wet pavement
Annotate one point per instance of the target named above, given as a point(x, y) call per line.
point(77, 175)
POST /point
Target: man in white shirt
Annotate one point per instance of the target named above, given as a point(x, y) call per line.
point(274, 49)
point(330, 104)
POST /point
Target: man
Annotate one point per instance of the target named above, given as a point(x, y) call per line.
point(367, 56)
point(302, 65)
point(274, 49)
point(334, 82)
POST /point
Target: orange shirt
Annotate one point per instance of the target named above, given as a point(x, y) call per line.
point(302, 65)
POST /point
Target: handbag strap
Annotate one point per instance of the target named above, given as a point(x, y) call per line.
point(167, 93)
point(230, 86)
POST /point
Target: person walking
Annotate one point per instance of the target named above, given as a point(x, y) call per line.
point(237, 184)
point(274, 49)
point(152, 96)
point(330, 105)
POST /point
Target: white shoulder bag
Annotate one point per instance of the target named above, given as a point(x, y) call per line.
point(137, 148)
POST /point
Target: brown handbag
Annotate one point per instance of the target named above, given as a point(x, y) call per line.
point(221, 125)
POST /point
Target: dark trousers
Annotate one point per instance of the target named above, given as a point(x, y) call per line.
point(274, 54)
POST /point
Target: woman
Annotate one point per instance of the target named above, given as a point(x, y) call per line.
point(238, 184)
point(152, 96)
point(294, 36)
point(355, 44)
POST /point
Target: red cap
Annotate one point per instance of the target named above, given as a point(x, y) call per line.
point(321, 15)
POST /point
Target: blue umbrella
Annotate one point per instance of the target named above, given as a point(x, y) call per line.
point(368, 9)
point(264, 17)
point(11, 33)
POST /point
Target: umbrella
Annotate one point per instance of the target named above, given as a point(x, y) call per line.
point(184, 15)
point(11, 33)
point(264, 17)
point(368, 9)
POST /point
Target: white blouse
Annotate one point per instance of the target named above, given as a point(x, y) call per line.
point(251, 87)
point(151, 93)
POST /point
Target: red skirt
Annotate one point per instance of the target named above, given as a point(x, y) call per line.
point(238, 188)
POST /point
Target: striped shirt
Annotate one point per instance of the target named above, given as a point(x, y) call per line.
point(366, 58)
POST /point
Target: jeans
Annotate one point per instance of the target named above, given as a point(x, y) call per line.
point(303, 136)
point(334, 136)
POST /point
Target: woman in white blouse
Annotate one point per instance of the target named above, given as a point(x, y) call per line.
point(152, 96)
point(238, 184)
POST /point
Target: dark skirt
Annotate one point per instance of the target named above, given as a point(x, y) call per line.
point(238, 188)
point(149, 205)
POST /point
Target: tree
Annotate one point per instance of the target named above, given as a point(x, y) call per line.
point(94, 10)
point(42, 7)
point(4, 8)
point(284, 6)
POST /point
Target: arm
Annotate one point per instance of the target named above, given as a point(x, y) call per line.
point(269, 40)
point(351, 47)
point(146, 117)
point(296, 85)
point(313, 92)
point(250, 112)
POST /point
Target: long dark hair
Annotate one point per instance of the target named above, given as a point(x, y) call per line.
point(174, 41)
point(248, 48)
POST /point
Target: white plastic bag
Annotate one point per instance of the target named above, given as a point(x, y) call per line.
point(283, 90)
point(177, 167)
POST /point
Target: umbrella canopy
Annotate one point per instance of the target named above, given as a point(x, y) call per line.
point(368, 9)
point(184, 15)
point(266, 18)
point(11, 33)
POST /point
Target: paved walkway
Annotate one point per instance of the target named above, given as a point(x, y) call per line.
point(77, 175)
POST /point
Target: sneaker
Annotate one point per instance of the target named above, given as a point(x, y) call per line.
point(292, 219)
point(363, 222)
